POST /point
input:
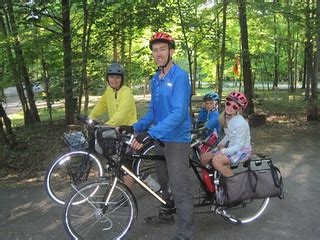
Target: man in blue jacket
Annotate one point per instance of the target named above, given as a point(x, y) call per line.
point(168, 120)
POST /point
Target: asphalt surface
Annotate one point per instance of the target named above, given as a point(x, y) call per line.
point(27, 213)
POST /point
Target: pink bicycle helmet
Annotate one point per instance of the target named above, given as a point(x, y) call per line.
point(239, 98)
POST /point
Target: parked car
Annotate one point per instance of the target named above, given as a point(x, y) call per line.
point(37, 88)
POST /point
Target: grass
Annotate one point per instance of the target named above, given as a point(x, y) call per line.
point(18, 120)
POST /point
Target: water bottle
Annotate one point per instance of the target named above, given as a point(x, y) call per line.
point(152, 183)
point(207, 180)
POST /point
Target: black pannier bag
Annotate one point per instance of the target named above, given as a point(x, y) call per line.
point(256, 179)
point(106, 140)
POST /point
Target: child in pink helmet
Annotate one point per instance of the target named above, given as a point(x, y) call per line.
point(236, 144)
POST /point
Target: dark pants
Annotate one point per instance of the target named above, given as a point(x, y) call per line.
point(173, 173)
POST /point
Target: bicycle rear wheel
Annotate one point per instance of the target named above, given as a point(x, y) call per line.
point(91, 218)
point(245, 212)
point(72, 168)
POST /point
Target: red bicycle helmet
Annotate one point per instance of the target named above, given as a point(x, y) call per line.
point(239, 98)
point(162, 37)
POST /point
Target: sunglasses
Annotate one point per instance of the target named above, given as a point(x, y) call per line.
point(234, 105)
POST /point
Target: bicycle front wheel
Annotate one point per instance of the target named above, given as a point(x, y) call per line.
point(245, 212)
point(72, 168)
point(92, 218)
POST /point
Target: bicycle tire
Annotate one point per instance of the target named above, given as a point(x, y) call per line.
point(92, 219)
point(245, 212)
point(72, 168)
point(146, 167)
point(201, 196)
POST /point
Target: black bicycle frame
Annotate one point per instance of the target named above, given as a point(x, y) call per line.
point(192, 163)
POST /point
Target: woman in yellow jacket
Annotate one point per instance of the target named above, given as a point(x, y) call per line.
point(118, 102)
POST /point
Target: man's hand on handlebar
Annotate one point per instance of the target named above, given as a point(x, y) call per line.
point(140, 140)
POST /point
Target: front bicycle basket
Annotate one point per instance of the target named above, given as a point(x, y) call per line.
point(75, 140)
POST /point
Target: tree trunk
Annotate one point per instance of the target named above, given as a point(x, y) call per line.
point(6, 137)
point(87, 49)
point(289, 52)
point(129, 79)
point(33, 117)
point(189, 50)
point(314, 88)
point(246, 63)
point(276, 54)
point(3, 144)
point(219, 79)
point(16, 75)
point(122, 46)
point(304, 73)
point(308, 56)
point(312, 114)
point(296, 69)
point(70, 102)
point(6, 120)
point(23, 101)
point(46, 83)
point(115, 49)
point(223, 47)
point(84, 77)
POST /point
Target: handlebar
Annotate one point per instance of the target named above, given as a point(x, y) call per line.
point(196, 137)
point(128, 138)
point(128, 142)
point(196, 133)
point(86, 120)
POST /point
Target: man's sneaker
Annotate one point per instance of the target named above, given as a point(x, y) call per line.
point(160, 218)
point(165, 214)
point(169, 208)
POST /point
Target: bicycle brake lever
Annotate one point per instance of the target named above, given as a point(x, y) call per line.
point(130, 140)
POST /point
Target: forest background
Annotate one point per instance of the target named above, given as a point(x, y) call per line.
point(268, 49)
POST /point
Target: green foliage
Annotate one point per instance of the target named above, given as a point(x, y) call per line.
point(125, 27)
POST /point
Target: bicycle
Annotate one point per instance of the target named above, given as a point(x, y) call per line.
point(78, 165)
point(106, 208)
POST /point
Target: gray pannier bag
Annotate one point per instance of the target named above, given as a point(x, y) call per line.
point(106, 140)
point(261, 179)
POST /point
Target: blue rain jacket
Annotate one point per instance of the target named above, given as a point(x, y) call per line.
point(168, 118)
point(211, 120)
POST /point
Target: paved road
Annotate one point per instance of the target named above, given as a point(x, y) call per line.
point(27, 213)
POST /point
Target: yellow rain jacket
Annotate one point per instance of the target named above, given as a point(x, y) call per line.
point(119, 105)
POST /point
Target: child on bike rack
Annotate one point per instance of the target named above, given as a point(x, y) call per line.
point(236, 144)
point(209, 115)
